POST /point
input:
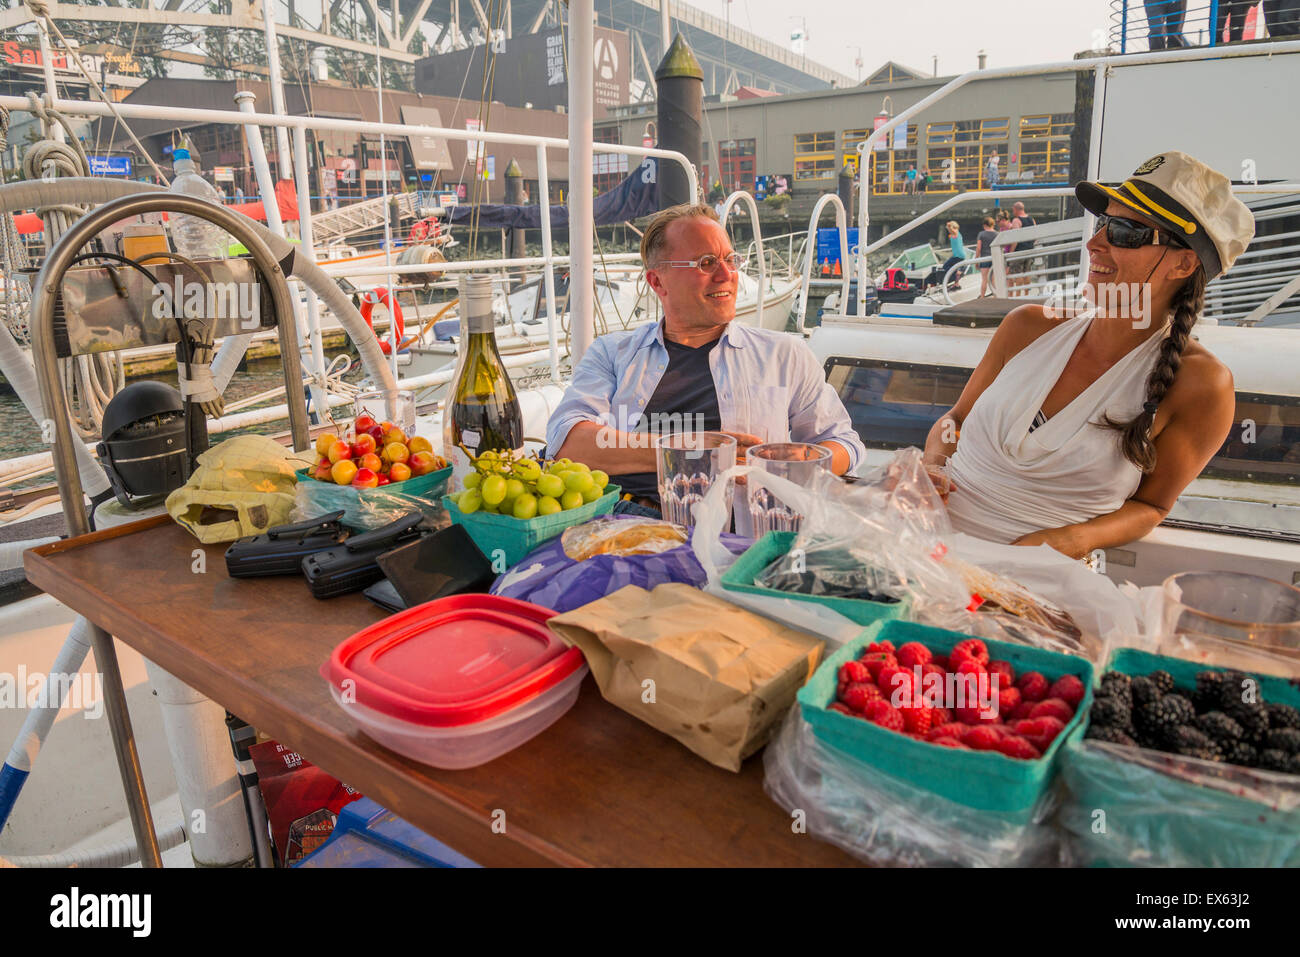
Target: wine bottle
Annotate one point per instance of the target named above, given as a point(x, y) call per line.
point(483, 410)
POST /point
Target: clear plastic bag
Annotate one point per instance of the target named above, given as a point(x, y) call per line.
point(367, 509)
point(622, 536)
point(882, 820)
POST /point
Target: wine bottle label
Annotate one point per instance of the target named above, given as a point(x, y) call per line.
point(470, 439)
point(460, 467)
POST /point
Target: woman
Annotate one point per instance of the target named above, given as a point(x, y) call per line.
point(1003, 220)
point(984, 249)
point(1081, 433)
point(957, 249)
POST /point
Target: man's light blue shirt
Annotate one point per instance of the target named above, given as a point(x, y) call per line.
point(768, 383)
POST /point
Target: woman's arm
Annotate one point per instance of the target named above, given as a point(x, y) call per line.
point(1201, 407)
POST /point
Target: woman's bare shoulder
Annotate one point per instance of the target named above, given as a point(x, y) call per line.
point(1021, 326)
point(1201, 377)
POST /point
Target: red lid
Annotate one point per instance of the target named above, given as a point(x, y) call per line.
point(454, 661)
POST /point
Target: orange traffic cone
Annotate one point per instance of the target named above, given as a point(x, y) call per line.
point(837, 269)
point(826, 267)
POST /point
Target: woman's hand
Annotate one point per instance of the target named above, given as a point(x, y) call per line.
point(1065, 540)
point(942, 483)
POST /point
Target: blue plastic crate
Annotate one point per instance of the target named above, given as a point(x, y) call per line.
point(367, 835)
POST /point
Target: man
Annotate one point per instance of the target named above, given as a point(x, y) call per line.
point(694, 371)
point(1018, 268)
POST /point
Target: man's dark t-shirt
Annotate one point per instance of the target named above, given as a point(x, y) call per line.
point(685, 391)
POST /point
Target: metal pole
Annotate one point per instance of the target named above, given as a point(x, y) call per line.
point(261, 167)
point(71, 493)
point(277, 88)
point(1123, 27)
point(548, 252)
point(388, 213)
point(1094, 162)
point(1214, 23)
point(582, 94)
point(665, 28)
point(307, 250)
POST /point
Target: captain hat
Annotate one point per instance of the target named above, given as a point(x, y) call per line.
point(1189, 199)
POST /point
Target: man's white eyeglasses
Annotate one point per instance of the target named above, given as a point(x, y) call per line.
point(707, 264)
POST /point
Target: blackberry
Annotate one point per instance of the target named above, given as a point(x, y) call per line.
point(1144, 691)
point(1273, 759)
point(1219, 727)
point(1188, 741)
point(1233, 687)
point(1282, 716)
point(1284, 739)
point(1239, 752)
point(1252, 718)
point(1116, 684)
point(1100, 732)
point(1209, 691)
point(1112, 712)
point(1294, 766)
point(1158, 718)
point(1163, 681)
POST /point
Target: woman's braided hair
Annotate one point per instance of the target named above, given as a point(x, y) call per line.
point(1135, 435)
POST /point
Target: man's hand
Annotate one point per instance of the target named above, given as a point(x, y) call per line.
point(1065, 540)
point(744, 442)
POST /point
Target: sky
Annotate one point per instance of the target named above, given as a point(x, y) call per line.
point(912, 32)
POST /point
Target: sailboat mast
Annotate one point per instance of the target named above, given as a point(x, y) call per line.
point(582, 107)
point(665, 27)
point(283, 165)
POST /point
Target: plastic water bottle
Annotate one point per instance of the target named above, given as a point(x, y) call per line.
point(193, 237)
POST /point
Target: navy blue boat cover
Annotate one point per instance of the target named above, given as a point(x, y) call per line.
point(636, 196)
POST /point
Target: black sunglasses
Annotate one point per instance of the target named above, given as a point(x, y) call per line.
point(1131, 234)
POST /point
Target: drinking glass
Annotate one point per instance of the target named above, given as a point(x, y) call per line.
point(392, 405)
point(687, 464)
point(1257, 613)
point(799, 462)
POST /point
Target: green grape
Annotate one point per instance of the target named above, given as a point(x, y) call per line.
point(528, 470)
point(578, 482)
point(525, 506)
point(546, 505)
point(494, 490)
point(493, 508)
point(470, 501)
point(472, 480)
point(579, 467)
point(551, 486)
point(571, 500)
point(599, 478)
point(514, 488)
point(591, 494)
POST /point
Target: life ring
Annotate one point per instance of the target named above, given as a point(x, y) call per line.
point(368, 303)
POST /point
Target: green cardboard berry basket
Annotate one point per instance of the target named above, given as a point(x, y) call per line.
point(516, 537)
point(370, 508)
point(740, 577)
point(1154, 818)
point(984, 780)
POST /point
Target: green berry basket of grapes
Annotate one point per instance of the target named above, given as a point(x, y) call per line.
point(510, 505)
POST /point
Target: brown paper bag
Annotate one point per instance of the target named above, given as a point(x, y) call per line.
point(722, 676)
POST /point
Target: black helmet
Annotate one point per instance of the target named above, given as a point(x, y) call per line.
point(144, 449)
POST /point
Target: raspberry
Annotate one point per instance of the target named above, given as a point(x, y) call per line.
point(981, 739)
point(950, 729)
point(941, 661)
point(886, 647)
point(918, 720)
point(842, 708)
point(912, 654)
point(1008, 701)
point(884, 714)
point(878, 660)
point(1021, 710)
point(942, 716)
point(947, 742)
point(1068, 688)
point(1040, 732)
point(969, 666)
point(853, 672)
point(970, 648)
point(896, 684)
point(1014, 746)
point(975, 715)
point(1033, 686)
point(1052, 708)
point(1006, 674)
point(857, 696)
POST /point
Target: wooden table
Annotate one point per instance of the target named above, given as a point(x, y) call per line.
point(597, 788)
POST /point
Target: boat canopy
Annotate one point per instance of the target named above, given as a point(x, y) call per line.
point(636, 196)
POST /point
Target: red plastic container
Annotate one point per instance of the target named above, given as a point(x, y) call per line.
point(456, 682)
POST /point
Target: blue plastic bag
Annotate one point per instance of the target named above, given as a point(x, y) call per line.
point(550, 578)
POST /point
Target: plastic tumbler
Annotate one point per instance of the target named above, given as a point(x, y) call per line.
point(1259, 613)
point(687, 464)
point(800, 463)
